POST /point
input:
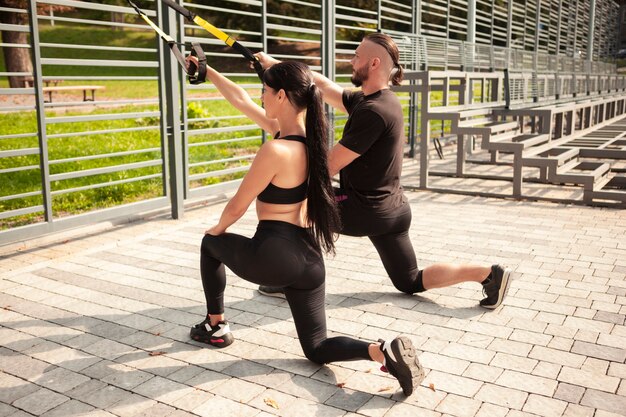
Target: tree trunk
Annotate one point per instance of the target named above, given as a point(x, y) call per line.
point(16, 59)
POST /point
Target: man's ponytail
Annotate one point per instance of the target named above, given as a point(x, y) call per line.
point(397, 75)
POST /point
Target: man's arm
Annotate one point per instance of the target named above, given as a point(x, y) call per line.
point(339, 157)
point(332, 93)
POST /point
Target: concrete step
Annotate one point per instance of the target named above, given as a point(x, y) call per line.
point(475, 122)
point(499, 142)
point(475, 112)
point(512, 141)
point(553, 157)
point(494, 127)
point(566, 167)
point(503, 136)
point(531, 139)
point(583, 173)
point(609, 188)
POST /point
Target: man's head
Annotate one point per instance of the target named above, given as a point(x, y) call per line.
point(376, 56)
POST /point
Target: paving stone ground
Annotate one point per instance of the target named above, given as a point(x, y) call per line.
point(95, 321)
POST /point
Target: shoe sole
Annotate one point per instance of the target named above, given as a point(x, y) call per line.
point(219, 342)
point(412, 373)
point(504, 288)
point(273, 294)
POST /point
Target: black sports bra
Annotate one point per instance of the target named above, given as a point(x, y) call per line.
point(277, 195)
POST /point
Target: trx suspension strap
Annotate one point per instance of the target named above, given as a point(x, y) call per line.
point(196, 75)
point(218, 34)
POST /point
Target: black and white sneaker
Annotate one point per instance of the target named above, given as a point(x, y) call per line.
point(218, 336)
point(495, 287)
point(401, 361)
point(278, 292)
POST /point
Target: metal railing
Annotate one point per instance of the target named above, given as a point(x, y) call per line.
point(523, 89)
point(427, 52)
point(96, 163)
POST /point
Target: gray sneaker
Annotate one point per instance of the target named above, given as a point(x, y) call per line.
point(495, 287)
point(401, 361)
point(277, 292)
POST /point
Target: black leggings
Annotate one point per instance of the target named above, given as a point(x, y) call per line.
point(389, 233)
point(280, 254)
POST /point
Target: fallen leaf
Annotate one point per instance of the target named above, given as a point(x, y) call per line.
point(341, 384)
point(385, 389)
point(272, 403)
point(431, 386)
point(157, 334)
point(157, 353)
point(369, 371)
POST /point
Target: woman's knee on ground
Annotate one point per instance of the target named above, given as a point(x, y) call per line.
point(313, 352)
point(409, 283)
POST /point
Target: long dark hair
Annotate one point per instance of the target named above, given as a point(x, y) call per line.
point(295, 79)
point(392, 49)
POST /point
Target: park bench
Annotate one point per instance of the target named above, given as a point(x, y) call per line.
point(83, 88)
point(30, 82)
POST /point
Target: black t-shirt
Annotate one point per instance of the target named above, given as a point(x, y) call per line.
point(375, 130)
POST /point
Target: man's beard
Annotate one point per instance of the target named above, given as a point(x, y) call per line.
point(359, 77)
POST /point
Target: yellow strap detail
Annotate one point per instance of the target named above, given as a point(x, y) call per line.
point(214, 31)
point(157, 29)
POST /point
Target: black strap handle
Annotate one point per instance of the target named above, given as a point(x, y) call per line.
point(197, 73)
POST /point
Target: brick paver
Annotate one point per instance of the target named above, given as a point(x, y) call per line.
point(95, 321)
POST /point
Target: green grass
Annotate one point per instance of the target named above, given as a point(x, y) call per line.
point(81, 145)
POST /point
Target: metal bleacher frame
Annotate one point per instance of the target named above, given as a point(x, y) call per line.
point(527, 104)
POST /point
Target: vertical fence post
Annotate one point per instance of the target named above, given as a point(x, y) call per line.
point(424, 129)
point(170, 81)
point(413, 66)
point(162, 107)
point(471, 35)
point(264, 48)
point(592, 28)
point(44, 166)
point(184, 119)
point(328, 57)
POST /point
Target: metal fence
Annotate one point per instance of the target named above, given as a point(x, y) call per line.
point(149, 140)
point(426, 52)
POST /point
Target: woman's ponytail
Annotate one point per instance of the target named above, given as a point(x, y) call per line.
point(321, 205)
point(295, 79)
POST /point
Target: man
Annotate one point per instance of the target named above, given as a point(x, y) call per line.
point(369, 159)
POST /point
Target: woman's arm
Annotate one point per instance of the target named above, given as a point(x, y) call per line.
point(262, 170)
point(240, 99)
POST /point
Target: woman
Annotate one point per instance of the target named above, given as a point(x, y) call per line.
point(297, 218)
